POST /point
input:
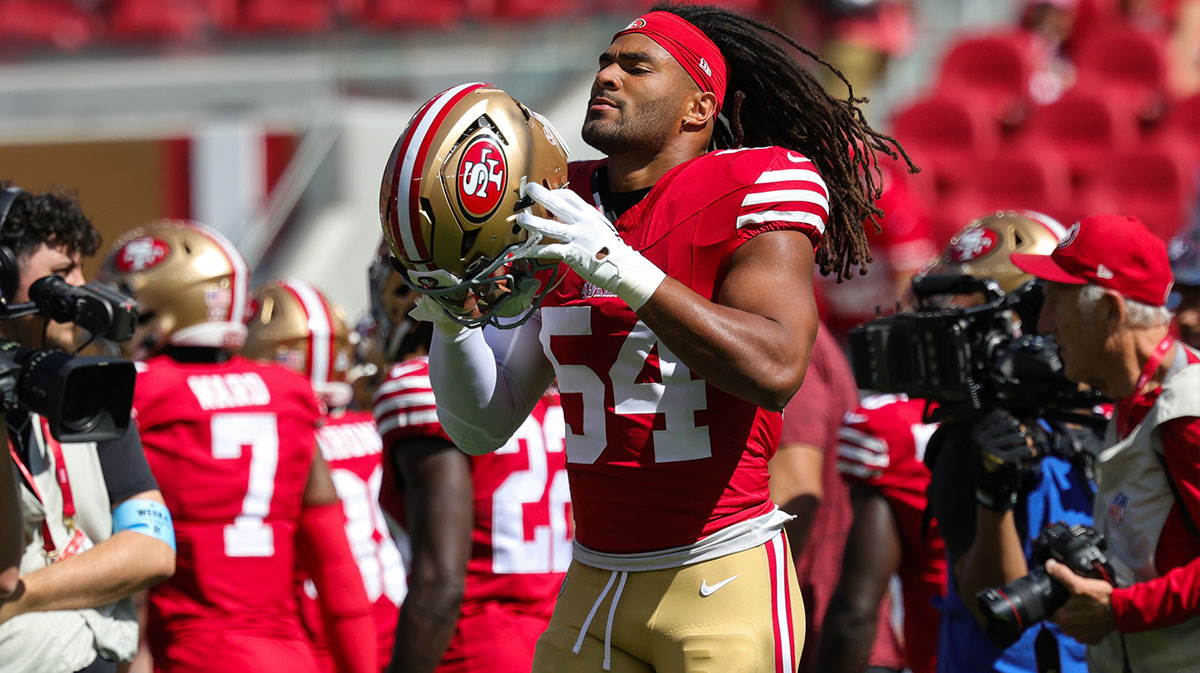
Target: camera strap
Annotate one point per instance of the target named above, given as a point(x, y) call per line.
point(1125, 407)
point(1045, 651)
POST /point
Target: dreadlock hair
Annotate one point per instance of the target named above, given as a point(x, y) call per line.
point(771, 99)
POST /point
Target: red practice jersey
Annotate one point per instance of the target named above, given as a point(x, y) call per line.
point(231, 445)
point(353, 451)
point(659, 458)
point(522, 533)
point(882, 447)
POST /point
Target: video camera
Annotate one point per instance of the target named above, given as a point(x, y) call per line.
point(1011, 609)
point(972, 357)
point(82, 398)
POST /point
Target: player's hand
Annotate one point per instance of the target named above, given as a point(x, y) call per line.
point(590, 245)
point(1005, 451)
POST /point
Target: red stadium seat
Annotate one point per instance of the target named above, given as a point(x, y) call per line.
point(157, 20)
point(1124, 62)
point(994, 69)
point(1179, 129)
point(1157, 187)
point(943, 135)
point(1084, 129)
point(290, 16)
point(1021, 180)
point(391, 14)
point(57, 23)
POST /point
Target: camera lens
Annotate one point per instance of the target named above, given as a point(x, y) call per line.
point(1016, 606)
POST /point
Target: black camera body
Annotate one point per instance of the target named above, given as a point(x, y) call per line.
point(964, 358)
point(1011, 609)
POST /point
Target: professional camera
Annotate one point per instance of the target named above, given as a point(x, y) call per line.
point(972, 356)
point(1025, 601)
point(82, 398)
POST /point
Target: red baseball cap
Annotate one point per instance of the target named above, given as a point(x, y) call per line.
point(1114, 252)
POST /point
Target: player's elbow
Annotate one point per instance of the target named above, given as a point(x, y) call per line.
point(468, 436)
point(439, 598)
point(778, 388)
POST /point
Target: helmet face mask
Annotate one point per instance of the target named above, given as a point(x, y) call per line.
point(455, 180)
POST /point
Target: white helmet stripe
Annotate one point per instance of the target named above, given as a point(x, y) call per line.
point(240, 281)
point(320, 329)
point(416, 140)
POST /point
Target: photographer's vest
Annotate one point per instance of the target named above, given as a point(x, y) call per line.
point(1133, 499)
point(65, 640)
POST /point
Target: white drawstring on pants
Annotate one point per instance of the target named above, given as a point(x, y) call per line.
point(612, 610)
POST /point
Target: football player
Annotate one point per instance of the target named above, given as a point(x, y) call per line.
point(295, 325)
point(490, 534)
point(682, 326)
point(232, 443)
point(880, 452)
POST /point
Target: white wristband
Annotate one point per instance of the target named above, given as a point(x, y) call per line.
point(637, 277)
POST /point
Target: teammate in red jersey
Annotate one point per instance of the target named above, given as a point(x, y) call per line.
point(232, 444)
point(880, 453)
point(677, 335)
point(294, 324)
point(491, 534)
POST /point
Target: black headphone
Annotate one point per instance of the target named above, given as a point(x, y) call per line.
point(9, 272)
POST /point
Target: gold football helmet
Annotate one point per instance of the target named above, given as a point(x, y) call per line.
point(450, 189)
point(190, 284)
point(294, 324)
point(983, 248)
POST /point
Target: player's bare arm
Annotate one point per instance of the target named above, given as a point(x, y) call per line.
point(872, 554)
point(438, 488)
point(796, 487)
point(753, 342)
point(117, 567)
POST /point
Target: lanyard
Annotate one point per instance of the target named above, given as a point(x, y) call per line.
point(1125, 406)
point(60, 475)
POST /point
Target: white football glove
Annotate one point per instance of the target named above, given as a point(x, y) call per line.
point(428, 310)
point(589, 243)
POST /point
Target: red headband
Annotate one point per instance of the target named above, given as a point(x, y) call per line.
point(698, 55)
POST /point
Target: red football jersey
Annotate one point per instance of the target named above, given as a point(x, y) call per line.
point(522, 535)
point(231, 445)
point(882, 446)
point(353, 451)
point(659, 458)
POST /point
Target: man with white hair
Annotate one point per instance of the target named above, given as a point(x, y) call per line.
point(1108, 281)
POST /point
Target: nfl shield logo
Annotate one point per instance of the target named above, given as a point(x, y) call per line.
point(1116, 510)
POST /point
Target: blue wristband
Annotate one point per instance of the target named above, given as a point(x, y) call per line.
point(147, 517)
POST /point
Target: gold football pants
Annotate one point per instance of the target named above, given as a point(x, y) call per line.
point(741, 613)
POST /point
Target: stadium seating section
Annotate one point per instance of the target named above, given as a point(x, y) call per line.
point(1114, 141)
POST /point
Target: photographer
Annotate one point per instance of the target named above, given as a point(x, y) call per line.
point(96, 526)
point(1107, 283)
point(992, 487)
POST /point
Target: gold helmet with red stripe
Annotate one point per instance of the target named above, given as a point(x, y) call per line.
point(190, 283)
point(454, 181)
point(984, 248)
point(294, 324)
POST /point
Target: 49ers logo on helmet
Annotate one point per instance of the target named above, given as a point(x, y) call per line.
point(482, 175)
point(973, 244)
point(140, 254)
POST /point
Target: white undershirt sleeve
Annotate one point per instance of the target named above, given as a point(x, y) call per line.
point(486, 381)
